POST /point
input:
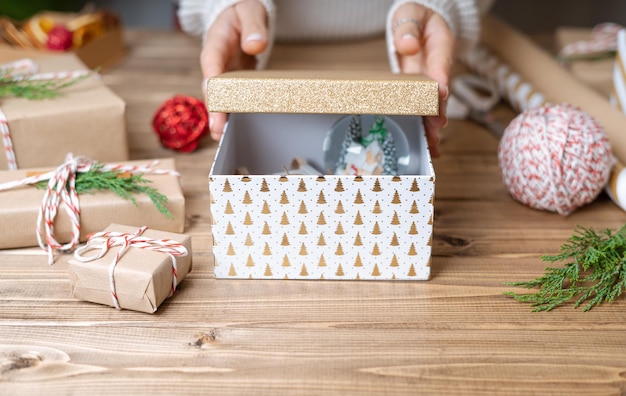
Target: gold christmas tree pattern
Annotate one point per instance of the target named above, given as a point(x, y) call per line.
point(332, 227)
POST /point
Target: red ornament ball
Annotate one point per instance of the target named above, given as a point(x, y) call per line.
point(555, 157)
point(180, 122)
point(59, 38)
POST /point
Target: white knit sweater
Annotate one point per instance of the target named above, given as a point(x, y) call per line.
point(336, 20)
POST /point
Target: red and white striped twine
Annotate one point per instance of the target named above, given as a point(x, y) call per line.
point(9, 151)
point(603, 41)
point(102, 241)
point(555, 158)
point(552, 157)
point(22, 70)
point(19, 68)
point(61, 188)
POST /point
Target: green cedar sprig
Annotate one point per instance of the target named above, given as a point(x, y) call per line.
point(595, 272)
point(34, 89)
point(122, 184)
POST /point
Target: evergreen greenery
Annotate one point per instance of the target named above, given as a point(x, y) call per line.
point(594, 272)
point(33, 89)
point(123, 184)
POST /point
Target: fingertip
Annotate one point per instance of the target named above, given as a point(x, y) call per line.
point(217, 124)
point(444, 92)
point(435, 123)
point(435, 152)
point(407, 43)
point(203, 89)
point(432, 137)
point(444, 114)
point(216, 136)
point(254, 43)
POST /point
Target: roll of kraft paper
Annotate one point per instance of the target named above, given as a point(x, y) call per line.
point(547, 76)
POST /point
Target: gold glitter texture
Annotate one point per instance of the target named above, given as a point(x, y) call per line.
point(322, 92)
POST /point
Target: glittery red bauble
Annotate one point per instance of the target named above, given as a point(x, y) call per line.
point(180, 122)
point(59, 38)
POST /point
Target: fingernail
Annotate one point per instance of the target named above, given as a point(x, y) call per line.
point(210, 123)
point(408, 36)
point(446, 92)
point(255, 37)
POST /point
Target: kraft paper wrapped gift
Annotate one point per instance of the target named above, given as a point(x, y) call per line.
point(19, 208)
point(321, 226)
point(103, 51)
point(596, 73)
point(86, 119)
point(142, 277)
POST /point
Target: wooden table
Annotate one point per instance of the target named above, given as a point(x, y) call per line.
point(454, 334)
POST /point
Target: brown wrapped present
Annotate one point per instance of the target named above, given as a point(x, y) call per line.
point(21, 205)
point(595, 72)
point(86, 118)
point(129, 267)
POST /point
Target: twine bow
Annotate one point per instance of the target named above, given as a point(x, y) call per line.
point(25, 70)
point(103, 241)
point(61, 188)
point(603, 42)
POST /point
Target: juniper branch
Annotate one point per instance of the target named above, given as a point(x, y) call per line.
point(594, 272)
point(34, 89)
point(124, 186)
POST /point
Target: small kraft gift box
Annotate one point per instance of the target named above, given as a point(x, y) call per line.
point(272, 222)
point(86, 118)
point(130, 267)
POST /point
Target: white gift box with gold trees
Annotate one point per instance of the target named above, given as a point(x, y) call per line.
point(274, 217)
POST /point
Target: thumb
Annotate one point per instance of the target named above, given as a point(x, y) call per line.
point(253, 21)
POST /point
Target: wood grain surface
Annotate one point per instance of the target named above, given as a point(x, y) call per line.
point(454, 334)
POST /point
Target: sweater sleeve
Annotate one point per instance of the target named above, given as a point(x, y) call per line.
point(197, 16)
point(462, 16)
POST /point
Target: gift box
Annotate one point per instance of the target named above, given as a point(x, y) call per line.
point(86, 118)
point(103, 52)
point(595, 72)
point(273, 224)
point(19, 208)
point(143, 277)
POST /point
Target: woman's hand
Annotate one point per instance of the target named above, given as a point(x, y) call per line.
point(238, 34)
point(426, 45)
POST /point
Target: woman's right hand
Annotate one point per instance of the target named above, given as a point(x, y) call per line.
point(237, 35)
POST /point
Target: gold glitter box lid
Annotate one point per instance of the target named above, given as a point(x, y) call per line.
point(322, 92)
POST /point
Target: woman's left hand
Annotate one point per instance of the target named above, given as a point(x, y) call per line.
point(426, 45)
